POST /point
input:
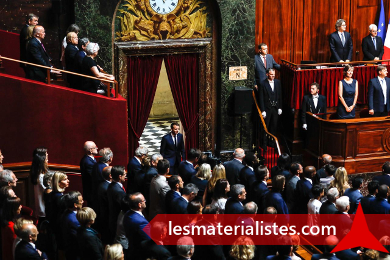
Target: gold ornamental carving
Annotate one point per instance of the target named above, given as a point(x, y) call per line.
point(144, 20)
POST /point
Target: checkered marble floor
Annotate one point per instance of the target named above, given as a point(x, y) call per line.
point(154, 130)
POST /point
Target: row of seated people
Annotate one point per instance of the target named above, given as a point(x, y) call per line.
point(77, 56)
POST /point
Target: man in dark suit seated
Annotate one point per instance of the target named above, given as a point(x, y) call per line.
point(115, 193)
point(102, 199)
point(291, 185)
point(303, 191)
point(176, 185)
point(172, 148)
point(185, 249)
point(329, 206)
point(26, 248)
point(263, 62)
point(380, 205)
point(36, 53)
point(326, 159)
point(247, 174)
point(372, 44)
point(135, 225)
point(354, 194)
point(179, 205)
point(330, 243)
point(32, 20)
point(259, 188)
point(385, 177)
point(234, 166)
point(97, 176)
point(340, 43)
point(187, 168)
point(379, 93)
point(237, 196)
point(136, 177)
point(372, 188)
point(70, 224)
point(313, 103)
point(86, 167)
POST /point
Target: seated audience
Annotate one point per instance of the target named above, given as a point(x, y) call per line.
point(26, 249)
point(114, 252)
point(242, 249)
point(9, 214)
point(218, 173)
point(201, 178)
point(354, 194)
point(88, 240)
point(340, 180)
point(89, 67)
point(234, 203)
point(220, 195)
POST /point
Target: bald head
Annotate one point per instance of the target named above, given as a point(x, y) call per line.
point(326, 158)
point(239, 153)
point(29, 233)
point(309, 171)
point(107, 173)
point(39, 32)
point(90, 148)
point(330, 243)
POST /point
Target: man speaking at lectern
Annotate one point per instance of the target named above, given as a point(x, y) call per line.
point(379, 93)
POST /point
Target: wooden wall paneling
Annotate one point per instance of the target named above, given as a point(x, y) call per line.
point(369, 142)
point(297, 30)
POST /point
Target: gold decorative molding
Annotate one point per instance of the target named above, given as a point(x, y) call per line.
point(144, 20)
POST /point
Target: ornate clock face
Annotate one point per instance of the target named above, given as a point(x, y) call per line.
point(163, 6)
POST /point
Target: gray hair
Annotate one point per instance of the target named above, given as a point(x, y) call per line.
point(83, 41)
point(184, 246)
point(332, 194)
point(236, 190)
point(238, 154)
point(250, 208)
point(141, 150)
point(372, 27)
point(6, 176)
point(156, 157)
point(190, 188)
point(30, 16)
point(342, 203)
point(339, 22)
point(106, 154)
point(92, 48)
point(47, 179)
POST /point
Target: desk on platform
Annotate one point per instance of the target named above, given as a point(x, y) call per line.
point(360, 145)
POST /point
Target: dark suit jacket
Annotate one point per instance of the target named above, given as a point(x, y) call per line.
point(324, 256)
point(379, 206)
point(134, 224)
point(382, 179)
point(303, 195)
point(257, 194)
point(328, 208)
point(233, 206)
point(25, 251)
point(289, 193)
point(308, 106)
point(179, 206)
point(369, 49)
point(354, 199)
point(247, 177)
point(365, 202)
point(213, 250)
point(86, 166)
point(344, 222)
point(201, 184)
point(347, 254)
point(153, 251)
point(174, 154)
point(260, 69)
point(135, 176)
point(375, 95)
point(102, 199)
point(321, 173)
point(70, 56)
point(233, 169)
point(337, 50)
point(170, 197)
point(115, 193)
point(266, 95)
point(97, 177)
point(36, 54)
point(23, 42)
point(90, 245)
point(275, 199)
point(69, 225)
point(186, 171)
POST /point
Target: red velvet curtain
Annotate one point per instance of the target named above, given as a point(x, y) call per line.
point(297, 83)
point(182, 73)
point(142, 79)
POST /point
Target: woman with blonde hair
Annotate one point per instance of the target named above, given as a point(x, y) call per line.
point(59, 183)
point(340, 180)
point(114, 252)
point(218, 173)
point(201, 178)
point(243, 249)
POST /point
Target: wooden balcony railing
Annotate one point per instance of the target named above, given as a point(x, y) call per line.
point(49, 69)
point(333, 64)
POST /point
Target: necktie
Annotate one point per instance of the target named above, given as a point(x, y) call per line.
point(124, 188)
point(342, 39)
point(175, 140)
point(43, 47)
point(374, 41)
point(265, 61)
